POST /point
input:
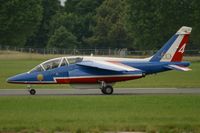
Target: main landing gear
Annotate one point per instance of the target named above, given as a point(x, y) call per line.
point(31, 91)
point(106, 89)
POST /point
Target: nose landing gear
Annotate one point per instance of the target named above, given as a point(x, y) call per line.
point(31, 91)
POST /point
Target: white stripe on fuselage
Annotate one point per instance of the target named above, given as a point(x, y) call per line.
point(99, 76)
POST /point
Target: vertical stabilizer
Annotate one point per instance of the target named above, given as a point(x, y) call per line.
point(173, 49)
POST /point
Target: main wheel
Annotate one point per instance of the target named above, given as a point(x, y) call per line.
point(32, 91)
point(107, 90)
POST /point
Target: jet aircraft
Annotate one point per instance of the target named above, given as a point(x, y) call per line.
point(103, 72)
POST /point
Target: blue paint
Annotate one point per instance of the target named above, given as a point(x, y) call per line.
point(158, 56)
point(78, 71)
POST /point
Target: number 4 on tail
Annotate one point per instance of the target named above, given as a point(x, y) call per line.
point(182, 49)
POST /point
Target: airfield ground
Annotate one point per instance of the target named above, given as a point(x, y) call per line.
point(149, 113)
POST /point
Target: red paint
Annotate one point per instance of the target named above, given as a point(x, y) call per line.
point(89, 80)
point(95, 79)
point(179, 55)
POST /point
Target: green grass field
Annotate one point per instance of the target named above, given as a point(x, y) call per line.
point(165, 113)
point(15, 63)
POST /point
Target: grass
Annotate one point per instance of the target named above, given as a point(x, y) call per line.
point(176, 113)
point(13, 63)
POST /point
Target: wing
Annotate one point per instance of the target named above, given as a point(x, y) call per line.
point(179, 68)
point(112, 66)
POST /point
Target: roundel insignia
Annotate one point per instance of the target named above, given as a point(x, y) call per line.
point(168, 56)
point(40, 77)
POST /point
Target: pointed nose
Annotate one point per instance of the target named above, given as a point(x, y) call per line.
point(9, 80)
point(17, 78)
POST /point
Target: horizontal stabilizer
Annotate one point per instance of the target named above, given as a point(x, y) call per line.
point(179, 68)
point(107, 66)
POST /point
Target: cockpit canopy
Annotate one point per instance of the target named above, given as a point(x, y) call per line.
point(55, 63)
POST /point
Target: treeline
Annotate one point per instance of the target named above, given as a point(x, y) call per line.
point(133, 24)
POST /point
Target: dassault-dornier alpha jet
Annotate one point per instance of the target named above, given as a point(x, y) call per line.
point(103, 72)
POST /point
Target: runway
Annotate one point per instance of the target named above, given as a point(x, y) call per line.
point(117, 91)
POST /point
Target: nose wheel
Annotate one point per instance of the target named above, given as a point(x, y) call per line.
point(31, 91)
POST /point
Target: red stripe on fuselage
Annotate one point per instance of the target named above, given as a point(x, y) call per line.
point(89, 80)
point(83, 80)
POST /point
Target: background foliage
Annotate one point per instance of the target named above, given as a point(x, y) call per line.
point(133, 24)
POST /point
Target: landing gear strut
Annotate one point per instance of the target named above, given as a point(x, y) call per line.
point(31, 91)
point(106, 89)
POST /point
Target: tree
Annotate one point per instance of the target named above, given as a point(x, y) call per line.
point(70, 21)
point(153, 22)
point(19, 19)
point(144, 19)
point(62, 39)
point(195, 19)
point(82, 7)
point(76, 18)
point(119, 36)
point(40, 38)
point(111, 25)
point(81, 13)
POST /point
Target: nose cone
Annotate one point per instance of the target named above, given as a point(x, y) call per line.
point(21, 78)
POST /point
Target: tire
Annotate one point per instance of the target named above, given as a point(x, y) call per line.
point(102, 90)
point(32, 91)
point(108, 90)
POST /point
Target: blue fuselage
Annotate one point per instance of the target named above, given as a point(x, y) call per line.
point(80, 74)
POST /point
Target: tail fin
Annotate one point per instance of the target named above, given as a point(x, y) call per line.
point(173, 49)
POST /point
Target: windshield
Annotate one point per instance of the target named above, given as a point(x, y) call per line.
point(55, 63)
point(51, 64)
point(74, 60)
point(37, 69)
point(64, 62)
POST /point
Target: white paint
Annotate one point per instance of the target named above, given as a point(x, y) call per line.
point(184, 30)
point(172, 49)
point(99, 76)
point(180, 68)
point(182, 49)
point(117, 65)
